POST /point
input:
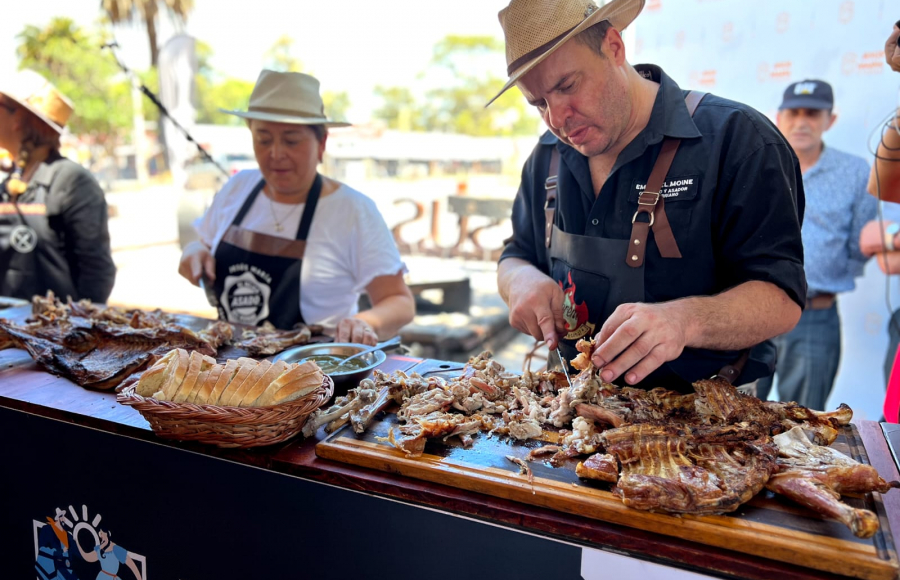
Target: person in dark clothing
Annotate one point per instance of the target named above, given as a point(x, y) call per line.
point(54, 231)
point(673, 238)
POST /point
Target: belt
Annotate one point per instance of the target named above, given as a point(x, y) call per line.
point(820, 302)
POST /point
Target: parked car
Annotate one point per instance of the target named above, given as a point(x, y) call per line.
point(204, 174)
point(204, 179)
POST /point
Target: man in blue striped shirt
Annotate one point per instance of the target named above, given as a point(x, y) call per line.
point(837, 207)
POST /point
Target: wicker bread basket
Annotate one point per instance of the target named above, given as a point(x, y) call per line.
point(227, 426)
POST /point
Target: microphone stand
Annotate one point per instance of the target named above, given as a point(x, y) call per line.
point(162, 108)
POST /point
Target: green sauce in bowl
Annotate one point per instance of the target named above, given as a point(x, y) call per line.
point(329, 363)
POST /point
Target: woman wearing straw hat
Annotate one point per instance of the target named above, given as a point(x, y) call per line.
point(54, 232)
point(665, 225)
point(287, 245)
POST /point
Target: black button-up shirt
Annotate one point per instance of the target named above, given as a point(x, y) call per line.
point(734, 198)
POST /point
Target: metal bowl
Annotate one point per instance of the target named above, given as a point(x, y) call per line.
point(343, 380)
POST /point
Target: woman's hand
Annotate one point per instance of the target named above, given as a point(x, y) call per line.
point(892, 50)
point(195, 260)
point(355, 330)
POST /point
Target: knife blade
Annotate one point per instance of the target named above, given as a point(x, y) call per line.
point(564, 366)
point(209, 290)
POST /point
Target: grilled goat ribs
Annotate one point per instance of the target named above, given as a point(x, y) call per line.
point(97, 347)
point(677, 469)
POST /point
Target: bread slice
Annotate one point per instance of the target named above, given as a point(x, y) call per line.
point(205, 386)
point(198, 364)
point(253, 393)
point(292, 384)
point(245, 367)
point(174, 375)
point(238, 394)
point(153, 378)
point(210, 393)
point(209, 364)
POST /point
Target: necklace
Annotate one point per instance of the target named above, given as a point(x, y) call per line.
point(278, 226)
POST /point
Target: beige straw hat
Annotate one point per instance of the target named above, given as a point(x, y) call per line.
point(39, 96)
point(286, 97)
point(535, 28)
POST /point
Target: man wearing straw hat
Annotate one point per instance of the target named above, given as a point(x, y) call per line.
point(663, 223)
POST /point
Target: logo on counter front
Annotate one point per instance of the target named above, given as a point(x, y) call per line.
point(245, 298)
point(75, 546)
point(575, 313)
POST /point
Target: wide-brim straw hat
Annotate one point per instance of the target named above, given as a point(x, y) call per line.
point(38, 95)
point(286, 97)
point(534, 29)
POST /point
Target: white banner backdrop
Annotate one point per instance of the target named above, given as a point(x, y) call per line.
point(750, 51)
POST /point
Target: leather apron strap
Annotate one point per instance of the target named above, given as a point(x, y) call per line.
point(551, 185)
point(652, 203)
point(649, 202)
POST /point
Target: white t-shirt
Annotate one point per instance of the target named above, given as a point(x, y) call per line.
point(348, 246)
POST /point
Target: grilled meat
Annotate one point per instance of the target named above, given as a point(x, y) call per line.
point(817, 476)
point(670, 469)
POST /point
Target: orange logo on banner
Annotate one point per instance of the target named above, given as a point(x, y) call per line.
point(706, 78)
point(728, 32)
point(679, 39)
point(653, 5)
point(845, 12)
point(782, 22)
point(869, 63)
point(781, 70)
point(872, 62)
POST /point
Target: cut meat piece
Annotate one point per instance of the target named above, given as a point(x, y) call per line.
point(817, 476)
point(599, 466)
point(268, 340)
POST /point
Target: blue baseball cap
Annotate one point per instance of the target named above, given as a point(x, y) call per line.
point(808, 94)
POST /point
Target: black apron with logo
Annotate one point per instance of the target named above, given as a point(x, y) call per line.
point(598, 274)
point(258, 275)
point(25, 232)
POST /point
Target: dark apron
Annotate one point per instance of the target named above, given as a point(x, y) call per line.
point(258, 275)
point(25, 232)
point(597, 275)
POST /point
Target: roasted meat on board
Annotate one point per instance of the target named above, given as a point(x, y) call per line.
point(701, 453)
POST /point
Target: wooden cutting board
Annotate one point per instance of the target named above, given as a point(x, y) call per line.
point(768, 526)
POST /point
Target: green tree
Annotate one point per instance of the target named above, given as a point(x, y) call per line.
point(68, 56)
point(230, 93)
point(459, 107)
point(147, 11)
point(279, 57)
point(460, 68)
point(336, 105)
point(399, 109)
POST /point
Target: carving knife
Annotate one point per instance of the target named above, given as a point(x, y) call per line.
point(564, 366)
point(209, 290)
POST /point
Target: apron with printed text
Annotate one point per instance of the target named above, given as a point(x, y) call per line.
point(258, 275)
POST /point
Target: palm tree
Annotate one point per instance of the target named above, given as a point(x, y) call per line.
point(147, 11)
